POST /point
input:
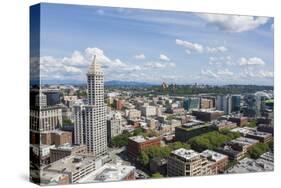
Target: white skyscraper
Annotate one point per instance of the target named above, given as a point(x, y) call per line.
point(90, 119)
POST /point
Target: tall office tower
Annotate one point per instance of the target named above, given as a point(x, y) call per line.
point(91, 117)
point(235, 103)
point(223, 103)
point(191, 103)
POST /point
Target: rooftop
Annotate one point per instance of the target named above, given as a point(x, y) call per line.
point(71, 163)
point(186, 154)
point(223, 123)
point(259, 134)
point(242, 130)
point(49, 178)
point(208, 111)
point(244, 141)
point(213, 156)
point(141, 138)
point(193, 126)
point(68, 147)
point(108, 172)
point(247, 165)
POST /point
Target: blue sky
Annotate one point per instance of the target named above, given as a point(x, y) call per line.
point(155, 46)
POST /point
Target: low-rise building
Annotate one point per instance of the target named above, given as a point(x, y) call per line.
point(241, 121)
point(207, 115)
point(230, 152)
point(217, 162)
point(134, 114)
point(265, 128)
point(247, 165)
point(40, 154)
point(66, 150)
point(137, 144)
point(224, 124)
point(182, 162)
point(264, 121)
point(192, 129)
point(53, 178)
point(110, 172)
point(242, 144)
point(263, 137)
point(243, 130)
point(74, 166)
point(148, 111)
point(56, 137)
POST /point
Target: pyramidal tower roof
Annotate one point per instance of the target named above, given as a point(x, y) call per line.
point(94, 67)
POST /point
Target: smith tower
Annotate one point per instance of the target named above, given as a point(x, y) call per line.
point(94, 121)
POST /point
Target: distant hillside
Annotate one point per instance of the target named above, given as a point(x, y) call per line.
point(118, 83)
point(111, 83)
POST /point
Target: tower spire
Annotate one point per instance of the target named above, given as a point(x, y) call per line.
point(94, 67)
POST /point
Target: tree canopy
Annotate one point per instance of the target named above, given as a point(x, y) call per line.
point(159, 152)
point(257, 150)
point(211, 140)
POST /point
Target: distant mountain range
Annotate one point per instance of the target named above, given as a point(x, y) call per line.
point(119, 83)
point(111, 83)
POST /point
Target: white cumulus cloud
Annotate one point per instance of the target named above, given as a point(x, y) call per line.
point(140, 56)
point(234, 23)
point(163, 57)
point(190, 46)
point(251, 61)
point(216, 49)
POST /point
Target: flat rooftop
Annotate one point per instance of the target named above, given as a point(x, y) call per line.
point(185, 154)
point(223, 123)
point(50, 178)
point(68, 147)
point(244, 141)
point(259, 134)
point(194, 126)
point(108, 172)
point(208, 111)
point(71, 163)
point(141, 138)
point(242, 130)
point(247, 165)
point(213, 156)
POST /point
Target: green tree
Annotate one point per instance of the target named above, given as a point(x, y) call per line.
point(66, 122)
point(143, 158)
point(200, 144)
point(138, 131)
point(120, 140)
point(257, 150)
point(271, 145)
point(178, 145)
point(211, 140)
point(252, 123)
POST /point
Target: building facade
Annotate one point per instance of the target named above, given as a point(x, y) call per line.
point(137, 144)
point(90, 119)
point(183, 162)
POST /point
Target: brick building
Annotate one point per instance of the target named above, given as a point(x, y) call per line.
point(137, 144)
